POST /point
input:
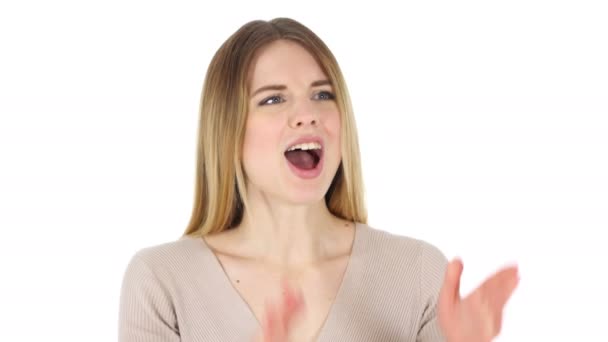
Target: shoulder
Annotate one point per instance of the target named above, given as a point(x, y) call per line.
point(405, 248)
point(180, 249)
point(402, 259)
point(401, 276)
point(170, 260)
point(152, 282)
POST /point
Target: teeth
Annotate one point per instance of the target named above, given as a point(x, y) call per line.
point(306, 146)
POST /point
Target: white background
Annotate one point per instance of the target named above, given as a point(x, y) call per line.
point(483, 127)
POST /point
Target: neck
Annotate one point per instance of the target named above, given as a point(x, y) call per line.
point(287, 234)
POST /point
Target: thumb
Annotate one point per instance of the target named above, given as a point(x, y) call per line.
point(450, 292)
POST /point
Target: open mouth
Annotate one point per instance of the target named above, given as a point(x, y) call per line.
point(304, 156)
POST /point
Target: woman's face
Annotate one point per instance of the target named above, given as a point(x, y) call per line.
point(291, 107)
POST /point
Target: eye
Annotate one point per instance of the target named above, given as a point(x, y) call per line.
point(274, 98)
point(325, 95)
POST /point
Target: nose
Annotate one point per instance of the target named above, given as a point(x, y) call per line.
point(304, 115)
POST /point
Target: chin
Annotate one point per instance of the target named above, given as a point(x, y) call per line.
point(306, 195)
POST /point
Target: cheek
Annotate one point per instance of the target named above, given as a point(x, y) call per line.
point(260, 143)
point(333, 125)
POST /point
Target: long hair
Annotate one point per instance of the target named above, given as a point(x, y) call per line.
point(220, 192)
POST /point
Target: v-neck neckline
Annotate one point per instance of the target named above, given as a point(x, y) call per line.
point(237, 299)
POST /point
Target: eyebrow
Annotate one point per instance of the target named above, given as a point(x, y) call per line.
point(283, 87)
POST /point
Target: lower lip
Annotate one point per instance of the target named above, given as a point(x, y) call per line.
point(307, 174)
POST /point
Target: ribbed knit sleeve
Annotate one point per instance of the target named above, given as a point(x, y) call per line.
point(146, 310)
point(433, 265)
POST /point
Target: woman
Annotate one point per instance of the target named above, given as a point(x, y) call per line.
point(278, 247)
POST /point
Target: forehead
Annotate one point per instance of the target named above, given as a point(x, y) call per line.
point(283, 62)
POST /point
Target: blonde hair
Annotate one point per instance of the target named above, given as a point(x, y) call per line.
point(220, 197)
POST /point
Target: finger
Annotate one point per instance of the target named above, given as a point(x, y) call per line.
point(292, 299)
point(450, 291)
point(491, 318)
point(497, 324)
point(279, 318)
point(449, 295)
point(503, 274)
point(292, 304)
point(269, 325)
point(500, 299)
point(499, 288)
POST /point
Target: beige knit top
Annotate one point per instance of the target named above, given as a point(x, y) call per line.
point(178, 291)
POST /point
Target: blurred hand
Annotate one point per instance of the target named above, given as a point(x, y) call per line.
point(478, 317)
point(279, 317)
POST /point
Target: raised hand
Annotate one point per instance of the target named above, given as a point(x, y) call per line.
point(478, 317)
point(279, 317)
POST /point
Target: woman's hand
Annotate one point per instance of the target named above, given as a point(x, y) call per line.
point(279, 317)
point(478, 317)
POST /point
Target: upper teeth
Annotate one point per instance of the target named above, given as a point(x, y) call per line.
point(306, 146)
